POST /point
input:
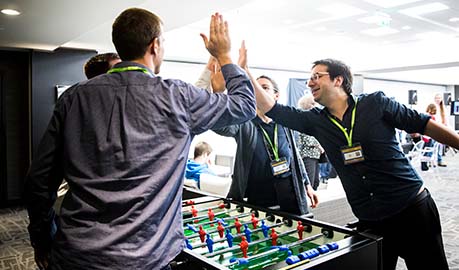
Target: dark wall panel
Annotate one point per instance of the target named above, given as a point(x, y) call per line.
point(14, 123)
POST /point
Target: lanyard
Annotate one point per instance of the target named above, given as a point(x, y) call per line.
point(273, 146)
point(130, 68)
point(348, 136)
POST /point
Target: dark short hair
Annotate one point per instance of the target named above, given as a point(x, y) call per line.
point(273, 82)
point(99, 64)
point(337, 68)
point(133, 30)
point(202, 148)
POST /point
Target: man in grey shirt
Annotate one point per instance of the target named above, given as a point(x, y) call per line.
point(121, 141)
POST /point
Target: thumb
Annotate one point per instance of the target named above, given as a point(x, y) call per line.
point(205, 39)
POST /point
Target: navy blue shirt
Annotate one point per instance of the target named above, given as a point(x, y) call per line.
point(385, 183)
point(260, 189)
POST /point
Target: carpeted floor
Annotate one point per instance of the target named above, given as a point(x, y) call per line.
point(443, 183)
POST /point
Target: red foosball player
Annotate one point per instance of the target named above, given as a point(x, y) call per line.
point(254, 221)
point(194, 212)
point(244, 246)
point(274, 237)
point(202, 234)
point(300, 229)
point(220, 229)
point(238, 225)
point(211, 215)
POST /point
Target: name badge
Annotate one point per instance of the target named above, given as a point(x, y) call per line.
point(280, 166)
point(352, 154)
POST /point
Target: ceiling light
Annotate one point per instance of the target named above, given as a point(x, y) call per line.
point(341, 10)
point(11, 12)
point(390, 3)
point(379, 18)
point(433, 36)
point(454, 19)
point(406, 27)
point(424, 9)
point(380, 31)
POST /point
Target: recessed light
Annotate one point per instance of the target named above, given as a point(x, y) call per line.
point(390, 3)
point(341, 10)
point(406, 27)
point(11, 12)
point(454, 19)
point(424, 9)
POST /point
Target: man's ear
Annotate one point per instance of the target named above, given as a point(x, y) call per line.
point(339, 81)
point(155, 46)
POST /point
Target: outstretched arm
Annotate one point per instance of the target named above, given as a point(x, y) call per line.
point(442, 133)
point(264, 101)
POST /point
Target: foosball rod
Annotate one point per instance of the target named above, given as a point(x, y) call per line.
point(195, 235)
point(220, 206)
point(221, 251)
point(191, 220)
point(235, 236)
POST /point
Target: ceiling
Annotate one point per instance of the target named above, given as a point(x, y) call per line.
point(393, 39)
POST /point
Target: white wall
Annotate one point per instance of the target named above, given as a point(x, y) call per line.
point(399, 90)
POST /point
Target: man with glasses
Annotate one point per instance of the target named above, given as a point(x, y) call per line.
point(358, 134)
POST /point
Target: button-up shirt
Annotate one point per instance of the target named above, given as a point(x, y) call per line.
point(121, 141)
point(385, 182)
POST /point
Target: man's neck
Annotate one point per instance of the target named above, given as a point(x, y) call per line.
point(338, 105)
point(263, 117)
point(146, 61)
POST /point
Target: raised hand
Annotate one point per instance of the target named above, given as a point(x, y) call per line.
point(242, 61)
point(218, 43)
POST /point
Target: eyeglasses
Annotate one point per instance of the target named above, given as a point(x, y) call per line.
point(318, 75)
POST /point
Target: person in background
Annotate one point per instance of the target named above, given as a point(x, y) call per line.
point(121, 141)
point(200, 162)
point(309, 148)
point(100, 64)
point(441, 117)
point(385, 192)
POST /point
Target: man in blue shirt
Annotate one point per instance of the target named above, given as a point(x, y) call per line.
point(358, 135)
point(121, 141)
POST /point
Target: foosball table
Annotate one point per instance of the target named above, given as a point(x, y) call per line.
point(223, 234)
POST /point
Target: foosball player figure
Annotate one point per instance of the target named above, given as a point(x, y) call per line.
point(254, 221)
point(220, 229)
point(210, 243)
point(211, 216)
point(247, 232)
point(238, 225)
point(274, 237)
point(244, 246)
point(194, 212)
point(202, 234)
point(229, 238)
point(264, 228)
point(300, 229)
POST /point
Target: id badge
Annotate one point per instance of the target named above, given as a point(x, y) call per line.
point(280, 166)
point(352, 154)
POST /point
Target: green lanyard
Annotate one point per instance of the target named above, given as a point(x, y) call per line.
point(348, 136)
point(130, 68)
point(273, 146)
